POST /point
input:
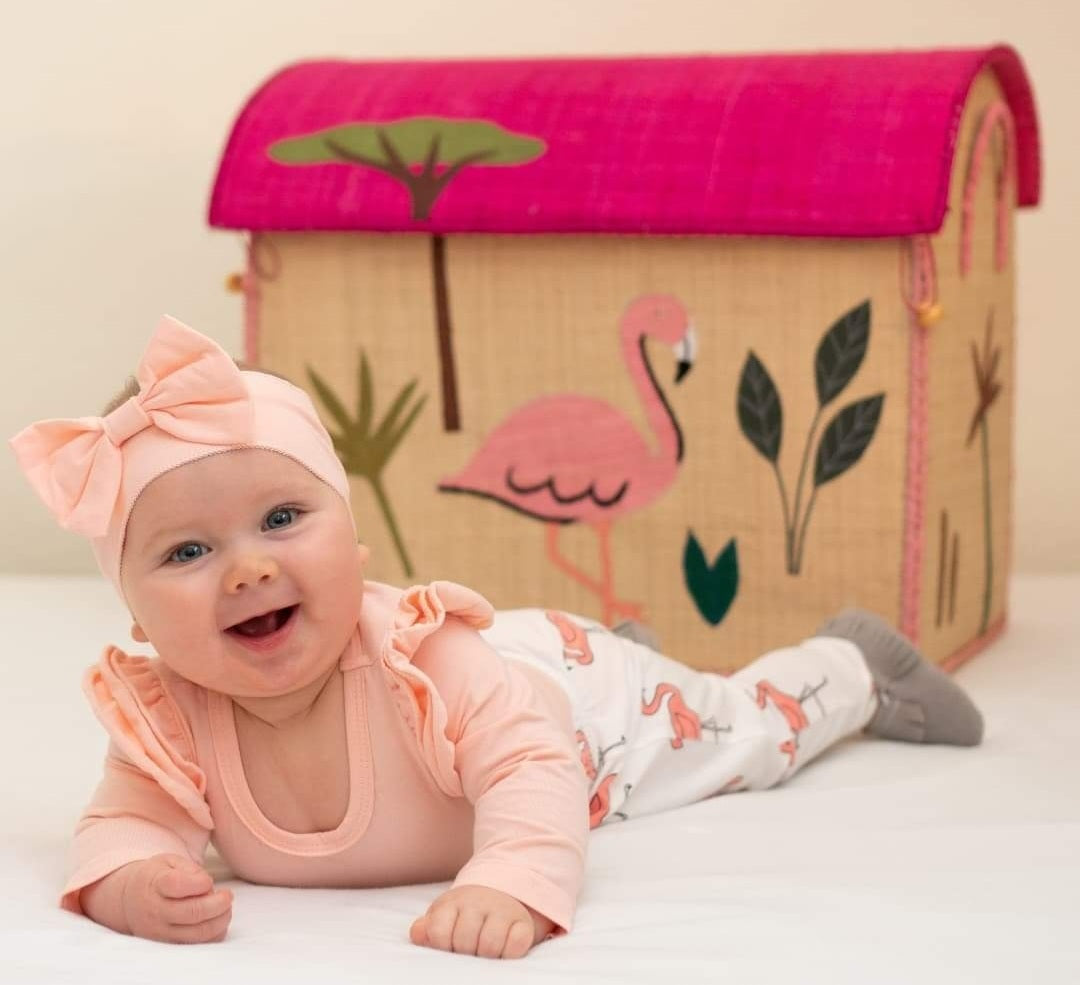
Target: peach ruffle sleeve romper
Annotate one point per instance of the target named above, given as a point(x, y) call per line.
point(462, 765)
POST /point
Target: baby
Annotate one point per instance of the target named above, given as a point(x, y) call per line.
point(326, 731)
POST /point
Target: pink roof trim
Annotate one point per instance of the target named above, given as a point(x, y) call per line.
point(836, 144)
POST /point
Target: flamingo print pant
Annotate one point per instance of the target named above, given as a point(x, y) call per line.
point(655, 734)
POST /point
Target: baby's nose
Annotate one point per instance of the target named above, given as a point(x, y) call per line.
point(251, 570)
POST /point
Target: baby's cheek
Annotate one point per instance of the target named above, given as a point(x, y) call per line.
point(340, 579)
point(198, 669)
point(340, 606)
point(197, 652)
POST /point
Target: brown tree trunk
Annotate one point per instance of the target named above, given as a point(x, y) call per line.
point(423, 192)
point(451, 420)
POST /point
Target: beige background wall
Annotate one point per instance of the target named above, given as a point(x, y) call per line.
point(114, 114)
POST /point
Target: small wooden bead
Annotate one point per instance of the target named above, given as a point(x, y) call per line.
point(928, 314)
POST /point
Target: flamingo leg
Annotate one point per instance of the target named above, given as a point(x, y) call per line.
point(603, 531)
point(565, 566)
point(612, 607)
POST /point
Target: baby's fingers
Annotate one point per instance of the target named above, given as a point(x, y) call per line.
point(519, 940)
point(196, 909)
point(439, 925)
point(177, 883)
point(202, 933)
point(467, 930)
point(493, 936)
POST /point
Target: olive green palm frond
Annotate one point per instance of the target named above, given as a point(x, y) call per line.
point(334, 406)
point(365, 395)
point(386, 437)
point(365, 454)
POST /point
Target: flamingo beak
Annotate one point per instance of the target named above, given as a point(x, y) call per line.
point(686, 352)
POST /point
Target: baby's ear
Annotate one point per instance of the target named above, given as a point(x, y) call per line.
point(137, 634)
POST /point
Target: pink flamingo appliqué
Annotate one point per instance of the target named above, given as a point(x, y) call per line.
point(685, 722)
point(570, 458)
point(791, 708)
point(575, 641)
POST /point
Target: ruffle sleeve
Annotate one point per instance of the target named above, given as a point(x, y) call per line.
point(150, 799)
point(421, 611)
point(141, 717)
point(485, 737)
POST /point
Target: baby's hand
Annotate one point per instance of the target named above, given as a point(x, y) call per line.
point(170, 898)
point(480, 921)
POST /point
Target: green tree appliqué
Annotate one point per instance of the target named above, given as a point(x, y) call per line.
point(424, 154)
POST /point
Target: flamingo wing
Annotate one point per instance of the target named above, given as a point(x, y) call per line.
point(558, 457)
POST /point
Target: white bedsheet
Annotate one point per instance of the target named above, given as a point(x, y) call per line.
point(879, 863)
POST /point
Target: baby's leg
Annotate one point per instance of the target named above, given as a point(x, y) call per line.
point(811, 696)
point(671, 735)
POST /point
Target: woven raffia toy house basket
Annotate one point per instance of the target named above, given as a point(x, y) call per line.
point(719, 343)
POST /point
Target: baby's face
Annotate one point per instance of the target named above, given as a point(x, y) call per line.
point(235, 535)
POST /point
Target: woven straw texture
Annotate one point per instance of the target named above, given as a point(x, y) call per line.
point(801, 144)
point(541, 315)
point(955, 574)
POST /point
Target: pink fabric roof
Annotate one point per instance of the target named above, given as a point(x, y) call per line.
point(834, 144)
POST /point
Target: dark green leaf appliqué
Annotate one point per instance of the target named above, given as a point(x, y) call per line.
point(761, 416)
point(846, 438)
point(841, 351)
point(712, 587)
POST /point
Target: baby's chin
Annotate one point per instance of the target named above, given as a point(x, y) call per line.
point(275, 677)
point(242, 675)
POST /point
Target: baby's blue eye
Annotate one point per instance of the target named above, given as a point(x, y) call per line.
point(181, 556)
point(285, 511)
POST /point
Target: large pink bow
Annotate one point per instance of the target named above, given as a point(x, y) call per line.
point(189, 387)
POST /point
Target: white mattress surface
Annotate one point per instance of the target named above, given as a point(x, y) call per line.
point(879, 863)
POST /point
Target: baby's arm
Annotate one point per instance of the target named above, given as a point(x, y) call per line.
point(522, 773)
point(137, 862)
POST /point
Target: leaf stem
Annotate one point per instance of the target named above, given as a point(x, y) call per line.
point(989, 585)
point(388, 513)
point(789, 528)
point(802, 471)
point(801, 543)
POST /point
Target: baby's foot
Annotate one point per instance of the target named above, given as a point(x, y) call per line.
point(918, 702)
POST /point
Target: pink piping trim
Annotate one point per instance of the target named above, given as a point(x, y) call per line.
point(972, 647)
point(921, 292)
point(996, 115)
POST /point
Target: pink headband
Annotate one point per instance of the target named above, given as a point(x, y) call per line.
point(192, 402)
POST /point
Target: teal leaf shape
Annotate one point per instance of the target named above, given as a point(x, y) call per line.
point(761, 415)
point(846, 438)
point(712, 587)
point(841, 351)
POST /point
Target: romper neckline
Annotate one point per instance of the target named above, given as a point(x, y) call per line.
point(230, 764)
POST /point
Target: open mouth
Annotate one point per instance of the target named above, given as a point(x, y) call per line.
point(260, 627)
